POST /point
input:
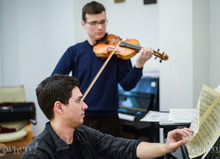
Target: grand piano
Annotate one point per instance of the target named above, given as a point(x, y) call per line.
point(134, 105)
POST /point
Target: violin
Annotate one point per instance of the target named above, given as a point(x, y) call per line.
point(126, 49)
point(110, 45)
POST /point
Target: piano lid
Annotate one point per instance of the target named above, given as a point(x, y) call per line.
point(137, 101)
point(141, 97)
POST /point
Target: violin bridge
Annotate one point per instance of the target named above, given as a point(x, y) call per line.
point(113, 41)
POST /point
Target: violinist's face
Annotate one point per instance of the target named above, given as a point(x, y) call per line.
point(94, 33)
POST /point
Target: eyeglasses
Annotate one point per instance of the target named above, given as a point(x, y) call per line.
point(96, 24)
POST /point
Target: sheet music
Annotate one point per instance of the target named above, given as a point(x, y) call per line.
point(216, 149)
point(156, 116)
point(165, 118)
point(205, 123)
point(182, 115)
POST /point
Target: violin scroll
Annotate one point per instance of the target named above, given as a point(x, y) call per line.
point(161, 56)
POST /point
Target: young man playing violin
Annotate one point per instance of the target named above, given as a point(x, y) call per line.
point(103, 99)
point(64, 136)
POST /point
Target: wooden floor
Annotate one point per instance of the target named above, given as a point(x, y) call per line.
point(11, 155)
point(11, 152)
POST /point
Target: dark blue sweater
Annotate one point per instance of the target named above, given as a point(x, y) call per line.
point(102, 99)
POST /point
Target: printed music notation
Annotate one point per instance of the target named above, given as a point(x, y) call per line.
point(156, 116)
point(182, 115)
point(205, 122)
point(173, 117)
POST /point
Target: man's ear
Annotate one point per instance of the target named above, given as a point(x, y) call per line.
point(58, 107)
point(83, 24)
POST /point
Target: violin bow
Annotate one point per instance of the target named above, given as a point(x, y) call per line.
point(100, 71)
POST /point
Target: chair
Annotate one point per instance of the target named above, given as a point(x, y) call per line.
point(13, 119)
point(21, 137)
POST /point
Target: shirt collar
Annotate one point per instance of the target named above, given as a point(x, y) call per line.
point(60, 143)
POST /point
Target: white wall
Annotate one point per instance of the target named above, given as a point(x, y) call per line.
point(214, 43)
point(35, 34)
point(184, 33)
point(9, 44)
point(201, 54)
point(176, 38)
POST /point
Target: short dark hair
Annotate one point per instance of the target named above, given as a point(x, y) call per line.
point(92, 8)
point(55, 88)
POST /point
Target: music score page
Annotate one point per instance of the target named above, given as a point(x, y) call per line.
point(205, 122)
